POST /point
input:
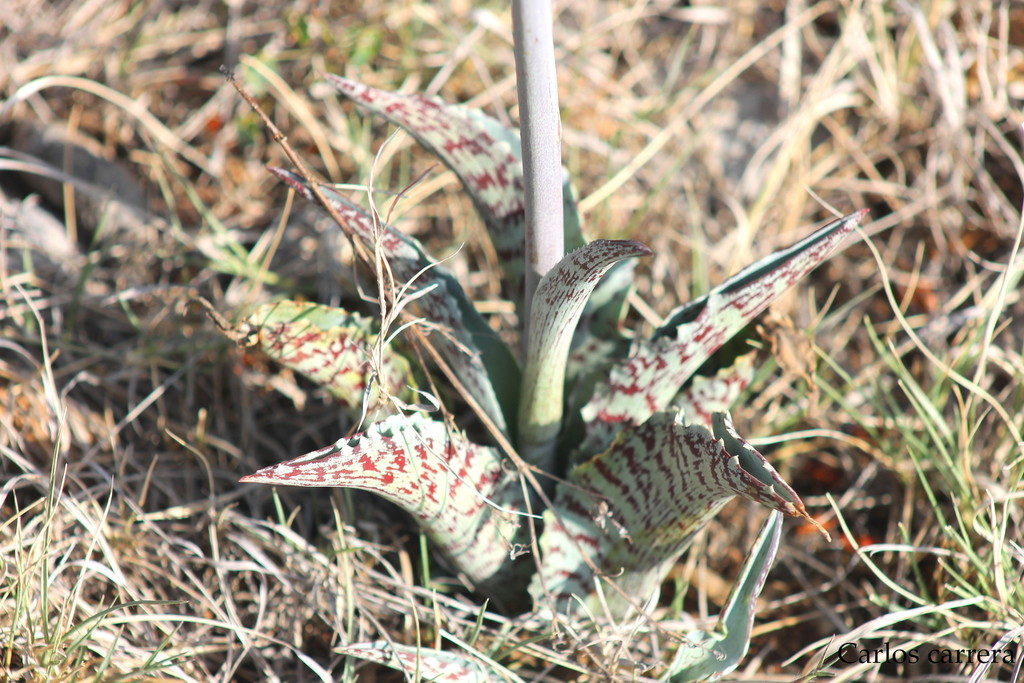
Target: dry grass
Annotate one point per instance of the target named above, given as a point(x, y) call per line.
point(715, 134)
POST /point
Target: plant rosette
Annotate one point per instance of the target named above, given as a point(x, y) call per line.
point(641, 447)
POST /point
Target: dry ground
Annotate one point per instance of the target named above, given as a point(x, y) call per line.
point(714, 133)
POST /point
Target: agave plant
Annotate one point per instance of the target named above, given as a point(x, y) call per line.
point(640, 446)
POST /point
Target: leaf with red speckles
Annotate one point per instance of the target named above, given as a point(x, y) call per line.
point(478, 356)
point(334, 348)
point(706, 395)
point(704, 656)
point(458, 491)
point(600, 336)
point(648, 381)
point(634, 509)
point(557, 306)
point(428, 664)
point(484, 154)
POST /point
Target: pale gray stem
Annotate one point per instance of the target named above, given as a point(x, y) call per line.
point(541, 130)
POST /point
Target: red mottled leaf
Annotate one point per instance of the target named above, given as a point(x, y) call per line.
point(635, 508)
point(557, 306)
point(458, 491)
point(601, 338)
point(705, 396)
point(333, 348)
point(649, 380)
point(482, 361)
point(428, 664)
point(484, 154)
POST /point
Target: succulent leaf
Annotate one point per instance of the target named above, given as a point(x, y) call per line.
point(709, 656)
point(484, 154)
point(599, 339)
point(634, 509)
point(704, 396)
point(458, 491)
point(650, 378)
point(557, 306)
point(428, 664)
point(481, 359)
point(333, 348)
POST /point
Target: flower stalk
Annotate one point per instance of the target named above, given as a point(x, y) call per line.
point(541, 131)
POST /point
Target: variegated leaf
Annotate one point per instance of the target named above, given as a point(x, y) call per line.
point(599, 338)
point(649, 380)
point(589, 361)
point(428, 664)
point(458, 491)
point(481, 360)
point(557, 305)
point(333, 348)
point(704, 396)
point(484, 154)
point(635, 508)
point(708, 656)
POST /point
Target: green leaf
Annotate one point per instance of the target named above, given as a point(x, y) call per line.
point(487, 158)
point(478, 356)
point(649, 380)
point(334, 348)
point(634, 509)
point(557, 305)
point(458, 491)
point(709, 656)
point(428, 664)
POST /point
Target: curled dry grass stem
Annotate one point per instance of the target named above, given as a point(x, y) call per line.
point(150, 123)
